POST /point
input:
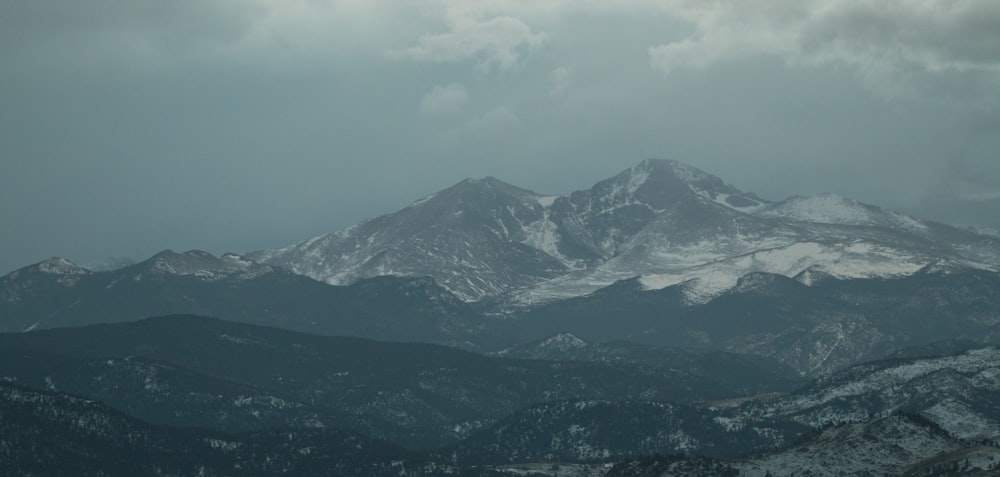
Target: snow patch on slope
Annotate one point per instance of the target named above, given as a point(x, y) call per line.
point(544, 235)
point(835, 209)
point(706, 273)
point(546, 201)
point(961, 421)
point(68, 273)
point(206, 266)
point(733, 202)
point(856, 260)
point(973, 361)
point(563, 342)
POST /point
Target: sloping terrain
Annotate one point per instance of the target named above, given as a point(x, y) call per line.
point(237, 377)
point(57, 293)
point(473, 238)
point(45, 433)
point(744, 373)
point(300, 401)
point(664, 221)
point(960, 393)
point(813, 329)
point(893, 445)
point(602, 431)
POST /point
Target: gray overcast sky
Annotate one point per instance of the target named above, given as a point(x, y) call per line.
point(130, 126)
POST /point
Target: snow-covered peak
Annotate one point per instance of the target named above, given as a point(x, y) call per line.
point(65, 272)
point(471, 200)
point(488, 181)
point(824, 208)
point(489, 184)
point(663, 172)
point(672, 179)
point(202, 264)
point(562, 342)
point(835, 209)
point(59, 266)
point(168, 261)
point(664, 220)
point(681, 170)
point(653, 185)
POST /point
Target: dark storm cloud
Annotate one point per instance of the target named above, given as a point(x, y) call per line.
point(131, 126)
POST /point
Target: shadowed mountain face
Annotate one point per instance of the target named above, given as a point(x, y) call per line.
point(473, 238)
point(57, 293)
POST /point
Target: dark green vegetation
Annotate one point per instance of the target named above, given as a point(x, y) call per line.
point(746, 374)
point(179, 394)
point(196, 371)
point(47, 434)
point(602, 431)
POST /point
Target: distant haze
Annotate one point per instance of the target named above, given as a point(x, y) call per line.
point(131, 126)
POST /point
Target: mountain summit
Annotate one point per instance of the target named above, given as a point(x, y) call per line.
point(664, 221)
point(594, 224)
point(472, 237)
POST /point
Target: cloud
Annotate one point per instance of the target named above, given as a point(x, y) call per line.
point(495, 121)
point(497, 41)
point(497, 124)
point(128, 26)
point(898, 47)
point(270, 35)
point(560, 78)
point(973, 173)
point(443, 100)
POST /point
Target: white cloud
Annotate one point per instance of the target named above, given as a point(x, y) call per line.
point(496, 124)
point(897, 47)
point(497, 41)
point(443, 100)
point(498, 120)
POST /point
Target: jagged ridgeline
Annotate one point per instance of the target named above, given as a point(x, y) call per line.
point(664, 221)
point(661, 322)
point(662, 253)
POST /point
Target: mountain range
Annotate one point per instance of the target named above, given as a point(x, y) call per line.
point(662, 254)
point(660, 322)
point(663, 221)
point(58, 293)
